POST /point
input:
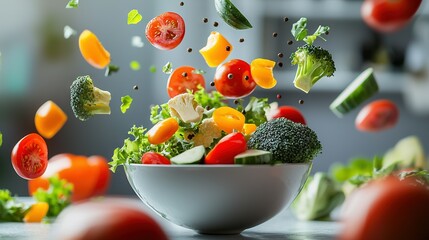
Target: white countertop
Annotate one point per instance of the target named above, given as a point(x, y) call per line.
point(282, 226)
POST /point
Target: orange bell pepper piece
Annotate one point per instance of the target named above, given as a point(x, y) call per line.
point(92, 50)
point(49, 119)
point(36, 212)
point(249, 128)
point(262, 72)
point(162, 131)
point(216, 50)
point(228, 119)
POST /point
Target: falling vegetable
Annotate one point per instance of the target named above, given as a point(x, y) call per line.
point(231, 15)
point(72, 4)
point(92, 50)
point(216, 50)
point(134, 17)
point(49, 119)
point(126, 103)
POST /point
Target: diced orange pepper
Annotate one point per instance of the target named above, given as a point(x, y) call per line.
point(36, 212)
point(249, 128)
point(228, 119)
point(216, 50)
point(49, 119)
point(262, 72)
point(162, 131)
point(92, 50)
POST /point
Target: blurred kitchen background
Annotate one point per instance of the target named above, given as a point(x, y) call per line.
point(38, 64)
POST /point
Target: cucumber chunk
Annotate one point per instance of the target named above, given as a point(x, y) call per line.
point(194, 155)
point(254, 156)
point(362, 88)
point(231, 15)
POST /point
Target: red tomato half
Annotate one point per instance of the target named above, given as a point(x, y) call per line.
point(386, 209)
point(103, 179)
point(182, 79)
point(389, 15)
point(226, 149)
point(106, 219)
point(166, 31)
point(30, 156)
point(377, 116)
point(154, 158)
point(290, 113)
point(233, 79)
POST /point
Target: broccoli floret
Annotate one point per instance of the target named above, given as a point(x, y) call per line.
point(313, 64)
point(289, 142)
point(88, 100)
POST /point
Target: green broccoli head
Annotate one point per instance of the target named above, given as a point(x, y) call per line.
point(289, 142)
point(88, 100)
point(313, 64)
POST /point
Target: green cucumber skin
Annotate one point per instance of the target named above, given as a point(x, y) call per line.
point(231, 15)
point(363, 92)
point(255, 159)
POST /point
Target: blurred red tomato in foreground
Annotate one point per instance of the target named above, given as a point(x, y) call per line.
point(90, 176)
point(387, 209)
point(110, 219)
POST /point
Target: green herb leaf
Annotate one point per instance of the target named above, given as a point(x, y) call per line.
point(111, 69)
point(10, 209)
point(1, 139)
point(126, 103)
point(320, 30)
point(167, 68)
point(134, 17)
point(198, 71)
point(57, 196)
point(72, 4)
point(299, 29)
point(152, 69)
point(134, 65)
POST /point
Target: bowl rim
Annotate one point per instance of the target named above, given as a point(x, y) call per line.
point(215, 165)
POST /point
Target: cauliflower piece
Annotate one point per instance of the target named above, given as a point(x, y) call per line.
point(208, 130)
point(184, 107)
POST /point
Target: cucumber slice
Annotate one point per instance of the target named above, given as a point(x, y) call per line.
point(231, 15)
point(194, 155)
point(254, 156)
point(362, 88)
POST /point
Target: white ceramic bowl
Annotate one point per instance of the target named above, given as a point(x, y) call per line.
point(217, 199)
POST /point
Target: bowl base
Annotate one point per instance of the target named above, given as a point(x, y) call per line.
point(233, 232)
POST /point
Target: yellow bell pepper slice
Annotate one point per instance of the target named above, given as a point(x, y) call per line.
point(216, 50)
point(262, 72)
point(228, 119)
point(36, 212)
point(248, 128)
point(92, 50)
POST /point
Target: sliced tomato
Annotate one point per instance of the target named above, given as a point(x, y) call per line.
point(226, 149)
point(233, 79)
point(377, 116)
point(30, 156)
point(290, 113)
point(183, 79)
point(154, 158)
point(389, 15)
point(166, 31)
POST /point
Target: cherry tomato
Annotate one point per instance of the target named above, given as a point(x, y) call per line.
point(234, 80)
point(102, 183)
point(226, 149)
point(290, 113)
point(166, 31)
point(377, 116)
point(162, 131)
point(107, 219)
point(30, 156)
point(228, 119)
point(154, 158)
point(86, 175)
point(389, 15)
point(386, 209)
point(182, 79)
